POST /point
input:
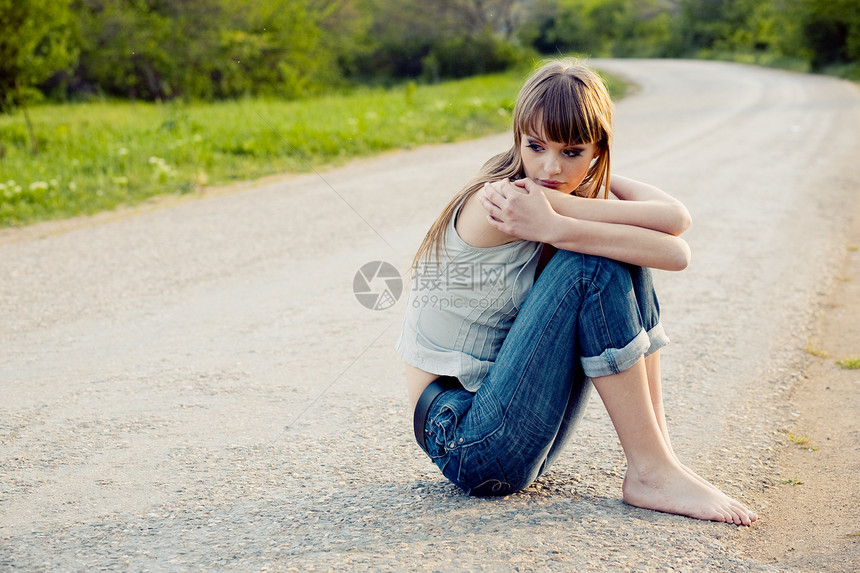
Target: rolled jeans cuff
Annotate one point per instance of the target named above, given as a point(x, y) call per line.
point(658, 339)
point(615, 360)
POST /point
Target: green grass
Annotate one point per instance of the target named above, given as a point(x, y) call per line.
point(849, 363)
point(801, 441)
point(97, 156)
point(815, 351)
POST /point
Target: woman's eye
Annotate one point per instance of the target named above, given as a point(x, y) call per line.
point(534, 146)
point(573, 152)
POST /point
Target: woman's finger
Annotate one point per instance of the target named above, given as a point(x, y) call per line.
point(494, 212)
point(495, 189)
point(485, 200)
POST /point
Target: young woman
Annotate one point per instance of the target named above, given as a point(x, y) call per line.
point(533, 282)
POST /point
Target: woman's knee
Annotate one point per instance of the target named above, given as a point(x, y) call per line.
point(646, 297)
point(594, 269)
point(611, 333)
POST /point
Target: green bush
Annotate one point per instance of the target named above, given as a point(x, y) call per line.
point(461, 57)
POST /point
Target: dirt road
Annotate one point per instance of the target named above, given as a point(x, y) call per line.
point(196, 387)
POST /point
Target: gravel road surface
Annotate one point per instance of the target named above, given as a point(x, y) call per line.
point(195, 387)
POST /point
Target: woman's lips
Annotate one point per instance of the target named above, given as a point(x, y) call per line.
point(551, 183)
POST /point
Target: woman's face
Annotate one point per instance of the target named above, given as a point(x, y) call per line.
point(555, 165)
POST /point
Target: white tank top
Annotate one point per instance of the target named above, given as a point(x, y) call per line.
point(461, 307)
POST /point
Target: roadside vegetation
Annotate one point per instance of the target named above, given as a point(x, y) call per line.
point(95, 156)
point(850, 363)
point(104, 102)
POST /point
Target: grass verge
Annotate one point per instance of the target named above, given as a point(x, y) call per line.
point(96, 156)
point(849, 363)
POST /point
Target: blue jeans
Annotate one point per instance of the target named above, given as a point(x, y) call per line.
point(585, 317)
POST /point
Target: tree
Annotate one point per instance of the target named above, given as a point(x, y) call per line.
point(129, 48)
point(831, 29)
point(274, 48)
point(444, 38)
point(602, 27)
point(204, 49)
point(35, 43)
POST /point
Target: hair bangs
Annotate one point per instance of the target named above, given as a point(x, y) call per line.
point(558, 118)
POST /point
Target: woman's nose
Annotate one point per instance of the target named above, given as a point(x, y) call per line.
point(553, 166)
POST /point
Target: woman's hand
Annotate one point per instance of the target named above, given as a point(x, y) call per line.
point(519, 209)
point(638, 232)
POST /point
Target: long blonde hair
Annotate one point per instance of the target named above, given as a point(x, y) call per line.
point(563, 101)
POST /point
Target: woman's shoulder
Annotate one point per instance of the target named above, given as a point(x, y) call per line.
point(474, 229)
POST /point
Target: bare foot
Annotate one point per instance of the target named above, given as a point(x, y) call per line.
point(674, 489)
point(688, 470)
point(695, 475)
point(736, 504)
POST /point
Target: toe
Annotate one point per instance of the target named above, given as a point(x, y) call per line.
point(723, 516)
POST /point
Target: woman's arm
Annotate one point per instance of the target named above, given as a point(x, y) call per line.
point(641, 205)
point(524, 211)
point(625, 243)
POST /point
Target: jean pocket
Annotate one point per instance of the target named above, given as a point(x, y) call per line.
point(441, 432)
